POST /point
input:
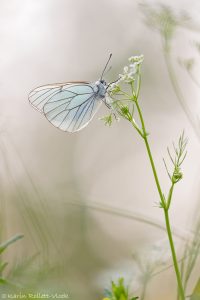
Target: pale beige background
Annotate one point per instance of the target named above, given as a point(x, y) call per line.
point(59, 40)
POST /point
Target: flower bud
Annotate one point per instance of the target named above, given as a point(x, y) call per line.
point(177, 175)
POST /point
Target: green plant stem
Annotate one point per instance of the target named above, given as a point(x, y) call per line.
point(194, 252)
point(136, 127)
point(164, 205)
point(143, 294)
point(170, 196)
point(169, 232)
point(150, 155)
point(177, 90)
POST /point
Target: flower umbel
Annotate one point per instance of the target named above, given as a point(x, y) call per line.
point(130, 71)
point(114, 88)
point(122, 102)
point(136, 59)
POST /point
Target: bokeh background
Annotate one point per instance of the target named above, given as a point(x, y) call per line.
point(85, 202)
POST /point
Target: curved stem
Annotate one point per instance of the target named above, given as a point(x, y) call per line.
point(164, 205)
point(150, 155)
point(178, 91)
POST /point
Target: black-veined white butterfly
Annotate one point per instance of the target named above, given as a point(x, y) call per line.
point(70, 106)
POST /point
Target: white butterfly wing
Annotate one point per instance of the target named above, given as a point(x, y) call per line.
point(39, 96)
point(70, 106)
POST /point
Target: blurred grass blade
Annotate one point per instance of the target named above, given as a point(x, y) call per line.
point(196, 293)
point(137, 216)
point(2, 267)
point(15, 238)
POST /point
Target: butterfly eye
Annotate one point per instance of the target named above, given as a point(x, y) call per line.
point(102, 81)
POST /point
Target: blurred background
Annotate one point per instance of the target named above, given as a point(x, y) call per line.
point(85, 202)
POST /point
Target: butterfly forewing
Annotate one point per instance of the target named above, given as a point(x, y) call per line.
point(69, 106)
point(39, 96)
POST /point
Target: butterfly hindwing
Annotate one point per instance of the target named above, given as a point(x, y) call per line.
point(69, 106)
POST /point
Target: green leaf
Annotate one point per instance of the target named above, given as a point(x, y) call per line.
point(118, 291)
point(3, 281)
point(122, 297)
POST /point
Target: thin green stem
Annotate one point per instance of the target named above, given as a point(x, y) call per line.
point(136, 127)
point(170, 196)
point(144, 289)
point(150, 155)
point(139, 85)
point(178, 275)
point(177, 90)
point(164, 205)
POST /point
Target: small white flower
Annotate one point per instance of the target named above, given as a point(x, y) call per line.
point(138, 58)
point(109, 101)
point(125, 69)
point(122, 77)
point(133, 68)
point(114, 88)
point(130, 71)
point(129, 75)
point(160, 252)
point(155, 255)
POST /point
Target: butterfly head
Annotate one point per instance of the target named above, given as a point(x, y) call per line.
point(103, 82)
point(102, 87)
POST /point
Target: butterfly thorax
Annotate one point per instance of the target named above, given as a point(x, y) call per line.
point(102, 87)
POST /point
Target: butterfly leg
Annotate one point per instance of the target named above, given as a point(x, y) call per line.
point(118, 79)
point(113, 111)
point(106, 103)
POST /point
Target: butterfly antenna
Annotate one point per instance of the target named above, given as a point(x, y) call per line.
point(106, 66)
point(108, 70)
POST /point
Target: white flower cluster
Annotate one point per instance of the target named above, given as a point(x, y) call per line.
point(114, 87)
point(154, 255)
point(130, 71)
point(136, 59)
point(159, 253)
point(128, 75)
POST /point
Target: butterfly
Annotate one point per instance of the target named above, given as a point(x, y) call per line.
point(70, 106)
